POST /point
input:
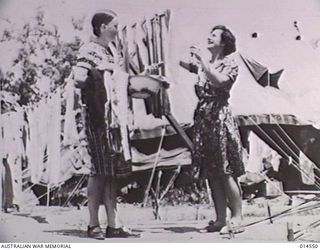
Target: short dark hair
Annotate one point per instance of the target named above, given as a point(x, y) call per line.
point(227, 38)
point(101, 18)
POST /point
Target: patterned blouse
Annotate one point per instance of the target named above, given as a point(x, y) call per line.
point(93, 55)
point(207, 92)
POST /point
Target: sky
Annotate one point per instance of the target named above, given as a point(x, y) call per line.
point(276, 22)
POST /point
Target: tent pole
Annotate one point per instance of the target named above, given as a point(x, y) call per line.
point(154, 167)
point(269, 212)
point(48, 195)
point(171, 182)
point(76, 188)
point(174, 123)
point(157, 195)
point(209, 191)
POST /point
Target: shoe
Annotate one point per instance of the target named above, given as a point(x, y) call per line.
point(232, 228)
point(120, 232)
point(212, 227)
point(95, 232)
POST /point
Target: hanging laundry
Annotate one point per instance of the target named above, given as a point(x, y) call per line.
point(117, 89)
point(6, 185)
point(307, 169)
point(39, 117)
point(12, 148)
point(70, 133)
point(117, 105)
point(55, 169)
point(254, 164)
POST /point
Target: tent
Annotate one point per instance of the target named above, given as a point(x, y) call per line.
point(276, 119)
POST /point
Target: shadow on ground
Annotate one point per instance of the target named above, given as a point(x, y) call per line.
point(182, 230)
point(76, 232)
point(39, 219)
point(69, 232)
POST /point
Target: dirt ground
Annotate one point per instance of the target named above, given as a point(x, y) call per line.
point(177, 224)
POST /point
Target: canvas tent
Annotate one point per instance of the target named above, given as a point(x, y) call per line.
point(274, 117)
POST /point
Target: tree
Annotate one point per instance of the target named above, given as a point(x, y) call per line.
point(43, 60)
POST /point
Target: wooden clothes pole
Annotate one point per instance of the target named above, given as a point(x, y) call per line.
point(147, 27)
point(290, 232)
point(164, 32)
point(154, 167)
point(48, 195)
point(209, 191)
point(174, 123)
point(158, 184)
point(171, 182)
point(154, 42)
point(157, 194)
point(146, 40)
point(269, 212)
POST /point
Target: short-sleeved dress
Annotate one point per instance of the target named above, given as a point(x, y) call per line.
point(103, 141)
point(217, 145)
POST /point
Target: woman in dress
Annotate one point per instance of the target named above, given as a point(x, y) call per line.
point(95, 59)
point(217, 147)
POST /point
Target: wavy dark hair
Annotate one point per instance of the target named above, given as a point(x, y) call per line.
point(101, 17)
point(227, 38)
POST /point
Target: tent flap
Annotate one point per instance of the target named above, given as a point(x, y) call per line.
point(249, 120)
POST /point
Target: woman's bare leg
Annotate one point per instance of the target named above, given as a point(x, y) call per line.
point(233, 194)
point(110, 202)
point(219, 199)
point(95, 190)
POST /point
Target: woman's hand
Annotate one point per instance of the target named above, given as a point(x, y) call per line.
point(195, 56)
point(192, 68)
point(194, 62)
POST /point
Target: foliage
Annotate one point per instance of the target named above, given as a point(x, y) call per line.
point(189, 194)
point(43, 60)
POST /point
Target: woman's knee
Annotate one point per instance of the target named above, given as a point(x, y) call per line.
point(95, 185)
point(216, 182)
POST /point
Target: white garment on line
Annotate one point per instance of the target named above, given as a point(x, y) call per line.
point(117, 90)
point(12, 148)
point(55, 169)
point(70, 133)
point(258, 151)
point(307, 169)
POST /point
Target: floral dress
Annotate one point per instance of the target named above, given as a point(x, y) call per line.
point(217, 146)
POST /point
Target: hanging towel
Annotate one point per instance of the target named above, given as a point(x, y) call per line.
point(70, 133)
point(307, 169)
